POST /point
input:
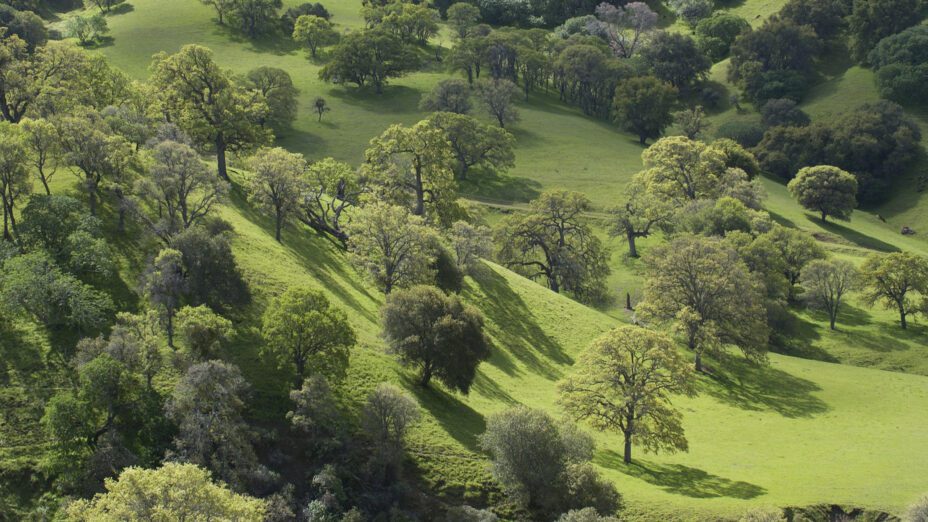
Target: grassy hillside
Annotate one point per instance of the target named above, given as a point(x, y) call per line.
point(796, 432)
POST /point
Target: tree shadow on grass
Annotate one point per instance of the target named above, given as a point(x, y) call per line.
point(680, 479)
point(396, 99)
point(854, 236)
point(877, 342)
point(794, 336)
point(493, 187)
point(491, 389)
point(749, 386)
point(514, 325)
point(461, 421)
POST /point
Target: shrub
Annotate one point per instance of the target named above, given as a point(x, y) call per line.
point(746, 134)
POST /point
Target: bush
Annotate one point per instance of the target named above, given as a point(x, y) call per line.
point(716, 33)
point(746, 134)
point(901, 62)
point(783, 112)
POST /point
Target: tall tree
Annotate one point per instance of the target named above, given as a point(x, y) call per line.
point(314, 32)
point(827, 190)
point(826, 282)
point(44, 149)
point(624, 381)
point(892, 279)
point(301, 328)
point(681, 170)
point(165, 284)
point(796, 249)
point(675, 59)
point(276, 87)
point(182, 187)
point(705, 291)
point(553, 241)
point(390, 246)
point(413, 165)
point(872, 20)
point(255, 17)
point(436, 333)
point(640, 214)
point(452, 95)
point(498, 97)
point(369, 57)
point(462, 17)
point(14, 173)
point(626, 25)
point(643, 106)
point(207, 104)
point(277, 183)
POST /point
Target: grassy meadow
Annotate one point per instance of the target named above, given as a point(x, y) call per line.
point(803, 430)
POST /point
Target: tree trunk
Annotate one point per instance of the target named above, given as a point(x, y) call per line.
point(824, 217)
point(6, 220)
point(643, 140)
point(627, 457)
point(170, 328)
point(902, 322)
point(698, 362)
point(632, 247)
point(833, 317)
point(221, 157)
point(48, 191)
point(426, 376)
point(278, 224)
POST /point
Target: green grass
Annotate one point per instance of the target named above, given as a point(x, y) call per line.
point(796, 432)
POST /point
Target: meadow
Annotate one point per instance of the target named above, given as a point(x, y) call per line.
point(824, 424)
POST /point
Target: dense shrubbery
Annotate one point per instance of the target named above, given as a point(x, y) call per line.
point(901, 65)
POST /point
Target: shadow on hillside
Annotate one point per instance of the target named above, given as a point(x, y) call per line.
point(320, 260)
point(19, 354)
point(680, 479)
point(792, 335)
point(515, 327)
point(763, 388)
point(493, 187)
point(853, 236)
point(878, 342)
point(396, 99)
point(305, 142)
point(273, 43)
point(461, 421)
point(491, 389)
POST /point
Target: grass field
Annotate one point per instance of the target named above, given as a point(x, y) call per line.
point(797, 432)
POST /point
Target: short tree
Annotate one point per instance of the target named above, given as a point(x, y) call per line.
point(222, 8)
point(390, 246)
point(452, 95)
point(692, 122)
point(277, 183)
point(104, 6)
point(498, 97)
point(783, 112)
point(276, 89)
point(705, 291)
point(675, 59)
point(462, 17)
point(476, 144)
point(623, 382)
point(827, 190)
point(643, 105)
point(165, 285)
point(692, 11)
point(369, 57)
point(203, 331)
point(150, 494)
point(892, 279)
point(316, 413)
point(796, 248)
point(314, 32)
point(435, 333)
point(386, 417)
point(255, 17)
point(207, 405)
point(826, 282)
point(470, 243)
point(301, 329)
point(320, 107)
point(87, 29)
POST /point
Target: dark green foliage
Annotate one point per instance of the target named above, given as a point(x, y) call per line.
point(448, 275)
point(875, 142)
point(276, 86)
point(289, 17)
point(644, 106)
point(783, 112)
point(448, 96)
point(24, 24)
point(587, 75)
point(775, 61)
point(825, 16)
point(255, 17)
point(746, 134)
point(872, 20)
point(435, 333)
point(369, 57)
point(213, 278)
point(901, 63)
point(675, 59)
point(716, 33)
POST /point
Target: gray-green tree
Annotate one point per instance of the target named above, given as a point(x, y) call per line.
point(165, 285)
point(462, 17)
point(14, 174)
point(893, 280)
point(330, 189)
point(826, 283)
point(451, 95)
point(277, 182)
point(435, 333)
point(624, 382)
point(499, 97)
point(386, 417)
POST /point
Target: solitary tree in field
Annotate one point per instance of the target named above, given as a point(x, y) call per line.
point(498, 96)
point(827, 282)
point(277, 183)
point(640, 215)
point(165, 285)
point(552, 241)
point(207, 104)
point(104, 6)
point(391, 246)
point(435, 333)
point(301, 328)
point(643, 105)
point(624, 381)
point(314, 32)
point(892, 279)
point(705, 291)
point(320, 107)
point(827, 190)
point(452, 95)
point(413, 165)
point(222, 8)
point(276, 89)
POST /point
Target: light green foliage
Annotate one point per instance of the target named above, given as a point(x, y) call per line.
point(301, 328)
point(716, 33)
point(276, 87)
point(470, 243)
point(331, 188)
point(462, 17)
point(412, 166)
point(203, 331)
point(892, 279)
point(207, 104)
point(410, 22)
point(14, 175)
point(44, 150)
point(643, 106)
point(390, 246)
point(277, 183)
point(435, 333)
point(677, 288)
point(476, 145)
point(165, 285)
point(827, 190)
point(681, 170)
point(584, 515)
point(763, 515)
point(87, 29)
point(317, 413)
point(553, 242)
point(692, 122)
point(314, 32)
point(171, 492)
point(796, 248)
point(624, 382)
point(642, 214)
point(104, 6)
point(222, 8)
point(827, 283)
